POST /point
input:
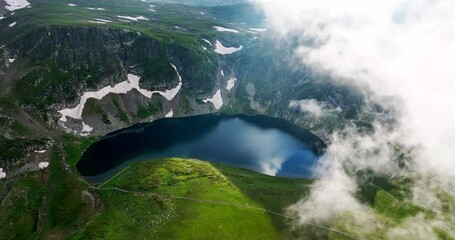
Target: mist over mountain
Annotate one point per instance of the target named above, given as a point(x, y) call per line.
point(397, 53)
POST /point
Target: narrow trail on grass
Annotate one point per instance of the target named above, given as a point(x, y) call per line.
point(149, 194)
point(114, 176)
point(394, 198)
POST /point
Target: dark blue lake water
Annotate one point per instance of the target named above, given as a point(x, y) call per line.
point(264, 144)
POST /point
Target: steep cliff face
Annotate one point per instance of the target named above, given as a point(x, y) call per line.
point(56, 66)
point(86, 58)
point(51, 68)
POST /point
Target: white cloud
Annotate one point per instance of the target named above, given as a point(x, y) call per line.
point(333, 191)
point(404, 49)
point(313, 107)
point(401, 48)
point(330, 196)
point(414, 228)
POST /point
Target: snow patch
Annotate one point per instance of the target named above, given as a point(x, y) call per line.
point(248, 31)
point(258, 29)
point(99, 22)
point(207, 41)
point(12, 5)
point(72, 5)
point(202, 13)
point(169, 114)
point(103, 20)
point(151, 8)
point(43, 165)
point(2, 17)
point(86, 127)
point(220, 49)
point(2, 174)
point(98, 9)
point(133, 18)
point(11, 60)
point(120, 88)
point(223, 29)
point(12, 24)
point(222, 72)
point(40, 151)
point(231, 83)
point(216, 100)
point(171, 93)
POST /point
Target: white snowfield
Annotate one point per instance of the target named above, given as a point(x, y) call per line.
point(169, 114)
point(2, 174)
point(133, 18)
point(72, 5)
point(43, 165)
point(222, 72)
point(12, 5)
point(231, 83)
point(40, 151)
point(223, 29)
point(12, 24)
point(2, 17)
point(120, 88)
point(11, 60)
point(216, 100)
point(220, 49)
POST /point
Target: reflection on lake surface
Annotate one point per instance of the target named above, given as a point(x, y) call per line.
point(264, 144)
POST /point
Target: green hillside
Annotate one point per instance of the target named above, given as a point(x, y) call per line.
point(191, 199)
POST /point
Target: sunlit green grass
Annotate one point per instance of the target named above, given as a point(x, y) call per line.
point(191, 199)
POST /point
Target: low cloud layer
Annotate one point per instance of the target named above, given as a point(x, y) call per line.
point(394, 49)
point(313, 107)
point(404, 49)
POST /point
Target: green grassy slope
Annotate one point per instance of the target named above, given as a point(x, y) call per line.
point(42, 204)
point(160, 24)
point(191, 199)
